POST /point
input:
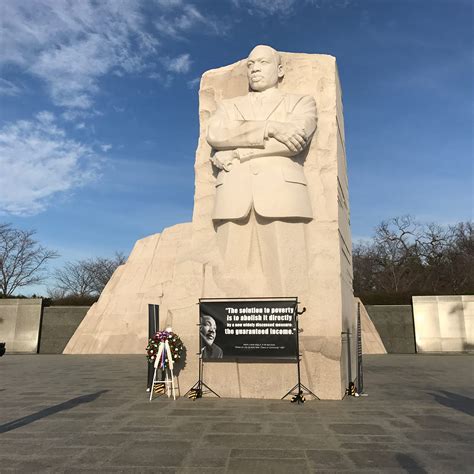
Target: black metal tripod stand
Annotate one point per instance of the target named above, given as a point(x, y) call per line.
point(196, 391)
point(299, 390)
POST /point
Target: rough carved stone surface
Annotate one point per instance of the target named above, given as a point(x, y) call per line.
point(183, 263)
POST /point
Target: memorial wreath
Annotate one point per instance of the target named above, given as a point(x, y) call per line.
point(161, 337)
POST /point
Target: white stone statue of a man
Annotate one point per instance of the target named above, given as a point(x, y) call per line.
point(259, 143)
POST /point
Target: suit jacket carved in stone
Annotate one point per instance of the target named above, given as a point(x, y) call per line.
point(267, 175)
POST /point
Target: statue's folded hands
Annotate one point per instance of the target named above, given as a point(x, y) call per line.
point(224, 159)
point(291, 135)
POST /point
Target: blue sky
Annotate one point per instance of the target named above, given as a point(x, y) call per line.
point(99, 108)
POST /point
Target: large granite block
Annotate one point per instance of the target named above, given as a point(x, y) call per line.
point(444, 323)
point(20, 324)
point(58, 325)
point(394, 324)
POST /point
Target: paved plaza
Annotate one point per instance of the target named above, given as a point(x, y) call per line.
point(91, 413)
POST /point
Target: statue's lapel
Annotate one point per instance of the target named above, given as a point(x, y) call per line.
point(269, 107)
point(244, 108)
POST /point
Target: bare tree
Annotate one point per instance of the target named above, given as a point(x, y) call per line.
point(85, 277)
point(74, 278)
point(406, 258)
point(365, 268)
point(434, 250)
point(459, 261)
point(395, 251)
point(22, 260)
point(102, 270)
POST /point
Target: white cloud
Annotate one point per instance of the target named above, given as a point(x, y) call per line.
point(166, 28)
point(179, 65)
point(8, 88)
point(330, 3)
point(71, 44)
point(166, 79)
point(38, 161)
point(284, 7)
point(72, 115)
point(185, 19)
point(266, 7)
point(105, 148)
point(193, 83)
point(155, 75)
point(169, 3)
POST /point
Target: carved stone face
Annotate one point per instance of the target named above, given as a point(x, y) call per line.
point(208, 329)
point(263, 69)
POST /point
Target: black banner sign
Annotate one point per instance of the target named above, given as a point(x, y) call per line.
point(248, 329)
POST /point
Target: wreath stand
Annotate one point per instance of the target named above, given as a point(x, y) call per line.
point(164, 363)
point(299, 390)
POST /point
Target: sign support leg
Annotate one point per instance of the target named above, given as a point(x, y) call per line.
point(299, 388)
point(196, 391)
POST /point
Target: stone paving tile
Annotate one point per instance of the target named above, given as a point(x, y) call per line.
point(360, 428)
point(83, 415)
point(435, 421)
point(36, 463)
point(390, 459)
point(279, 427)
point(268, 453)
point(22, 447)
point(328, 459)
point(159, 452)
point(201, 470)
point(365, 446)
point(73, 469)
point(313, 428)
point(101, 439)
point(236, 428)
point(94, 457)
point(60, 427)
point(64, 452)
point(216, 457)
point(434, 436)
point(210, 414)
point(270, 466)
point(263, 441)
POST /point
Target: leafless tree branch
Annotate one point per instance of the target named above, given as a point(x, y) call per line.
point(22, 260)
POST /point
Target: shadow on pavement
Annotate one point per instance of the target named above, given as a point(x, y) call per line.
point(26, 420)
point(409, 464)
point(453, 400)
